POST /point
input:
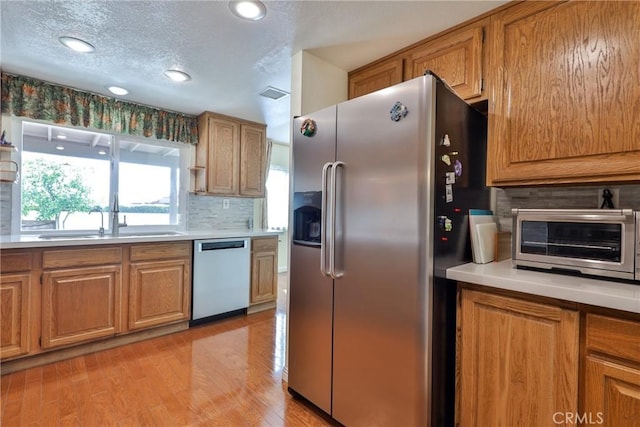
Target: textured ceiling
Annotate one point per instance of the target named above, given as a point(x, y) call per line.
point(230, 60)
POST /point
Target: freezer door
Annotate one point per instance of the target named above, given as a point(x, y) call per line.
point(311, 293)
point(379, 362)
point(312, 151)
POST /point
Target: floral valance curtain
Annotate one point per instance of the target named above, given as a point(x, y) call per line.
point(35, 99)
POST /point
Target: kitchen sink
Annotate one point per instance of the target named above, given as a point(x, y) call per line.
point(67, 236)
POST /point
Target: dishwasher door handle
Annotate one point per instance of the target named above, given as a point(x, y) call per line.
point(216, 246)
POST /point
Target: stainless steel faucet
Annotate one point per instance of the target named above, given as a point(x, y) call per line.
point(99, 209)
point(115, 221)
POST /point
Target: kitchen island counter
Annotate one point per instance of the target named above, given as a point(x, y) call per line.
point(501, 275)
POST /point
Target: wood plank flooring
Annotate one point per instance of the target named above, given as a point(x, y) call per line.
point(226, 373)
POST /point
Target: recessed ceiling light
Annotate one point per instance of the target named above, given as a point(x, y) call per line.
point(59, 147)
point(61, 136)
point(77, 44)
point(102, 152)
point(117, 90)
point(177, 75)
point(251, 10)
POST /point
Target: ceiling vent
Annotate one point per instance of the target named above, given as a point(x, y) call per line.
point(273, 93)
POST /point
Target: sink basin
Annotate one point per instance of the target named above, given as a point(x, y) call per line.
point(67, 236)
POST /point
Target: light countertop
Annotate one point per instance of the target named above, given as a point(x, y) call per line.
point(33, 241)
point(602, 293)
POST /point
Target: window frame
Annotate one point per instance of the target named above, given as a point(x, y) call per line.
point(182, 175)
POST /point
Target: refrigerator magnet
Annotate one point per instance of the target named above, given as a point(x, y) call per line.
point(398, 111)
point(450, 178)
point(457, 168)
point(308, 127)
point(448, 193)
point(446, 159)
point(445, 140)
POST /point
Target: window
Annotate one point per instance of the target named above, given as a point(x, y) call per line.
point(277, 198)
point(68, 176)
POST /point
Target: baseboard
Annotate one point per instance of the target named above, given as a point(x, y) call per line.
point(285, 374)
point(255, 308)
point(91, 347)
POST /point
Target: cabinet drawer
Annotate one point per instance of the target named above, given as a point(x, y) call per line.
point(160, 251)
point(14, 262)
point(616, 337)
point(264, 244)
point(81, 257)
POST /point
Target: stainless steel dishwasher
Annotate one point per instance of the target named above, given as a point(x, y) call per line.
point(221, 276)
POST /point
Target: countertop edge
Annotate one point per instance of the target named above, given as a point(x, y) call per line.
point(18, 242)
point(600, 293)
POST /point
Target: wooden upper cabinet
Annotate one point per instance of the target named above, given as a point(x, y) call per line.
point(518, 361)
point(375, 77)
point(455, 57)
point(567, 99)
point(232, 153)
point(252, 161)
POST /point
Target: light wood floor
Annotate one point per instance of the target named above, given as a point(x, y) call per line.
point(226, 373)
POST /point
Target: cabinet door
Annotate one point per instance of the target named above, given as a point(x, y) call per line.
point(14, 314)
point(264, 269)
point(223, 156)
point(518, 361)
point(455, 57)
point(80, 304)
point(565, 80)
point(375, 77)
point(159, 292)
point(252, 161)
point(612, 394)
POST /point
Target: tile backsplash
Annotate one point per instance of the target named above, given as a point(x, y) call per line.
point(208, 212)
point(5, 208)
point(574, 197)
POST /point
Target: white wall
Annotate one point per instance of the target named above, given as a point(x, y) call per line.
point(315, 84)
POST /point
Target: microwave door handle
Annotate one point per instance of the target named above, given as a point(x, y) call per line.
point(323, 219)
point(579, 218)
point(332, 228)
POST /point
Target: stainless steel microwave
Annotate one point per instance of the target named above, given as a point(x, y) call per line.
point(587, 241)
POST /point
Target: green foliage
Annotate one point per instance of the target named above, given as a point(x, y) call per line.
point(51, 188)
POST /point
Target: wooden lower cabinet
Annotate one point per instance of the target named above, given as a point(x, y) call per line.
point(53, 299)
point(159, 292)
point(80, 304)
point(518, 361)
point(264, 269)
point(14, 314)
point(612, 371)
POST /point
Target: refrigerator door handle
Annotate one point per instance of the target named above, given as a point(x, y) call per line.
point(323, 219)
point(332, 229)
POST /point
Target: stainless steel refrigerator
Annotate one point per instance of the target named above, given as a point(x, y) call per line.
point(382, 186)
